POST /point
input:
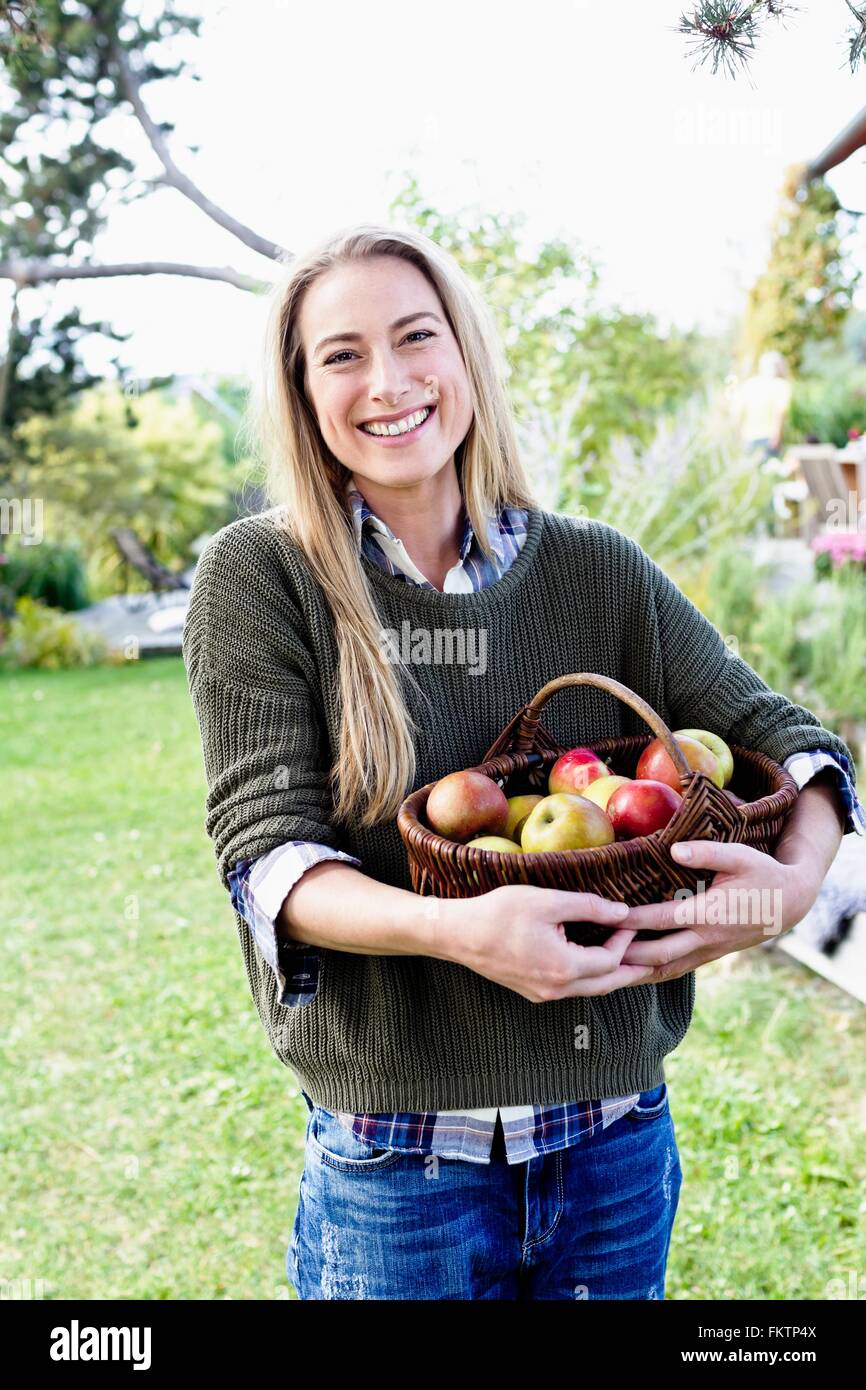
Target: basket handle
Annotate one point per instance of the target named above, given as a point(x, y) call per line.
point(532, 712)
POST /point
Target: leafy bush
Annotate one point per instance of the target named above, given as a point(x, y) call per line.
point(683, 495)
point(50, 571)
point(827, 407)
point(43, 637)
point(808, 642)
point(143, 462)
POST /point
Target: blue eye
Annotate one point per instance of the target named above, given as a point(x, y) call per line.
point(425, 332)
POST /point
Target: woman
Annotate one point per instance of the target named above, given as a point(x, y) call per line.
point(489, 1116)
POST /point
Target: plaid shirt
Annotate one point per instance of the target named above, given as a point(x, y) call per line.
point(259, 887)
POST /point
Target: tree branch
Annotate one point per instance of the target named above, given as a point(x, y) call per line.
point(37, 272)
point(177, 178)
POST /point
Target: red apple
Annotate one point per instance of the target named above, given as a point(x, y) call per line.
point(655, 763)
point(642, 807)
point(466, 804)
point(574, 771)
point(716, 745)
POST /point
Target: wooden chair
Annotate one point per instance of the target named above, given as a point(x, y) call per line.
point(823, 475)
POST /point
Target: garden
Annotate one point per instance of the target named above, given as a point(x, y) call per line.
point(139, 1154)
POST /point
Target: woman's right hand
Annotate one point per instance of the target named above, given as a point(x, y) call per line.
point(514, 935)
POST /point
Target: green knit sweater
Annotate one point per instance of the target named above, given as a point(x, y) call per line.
point(392, 1033)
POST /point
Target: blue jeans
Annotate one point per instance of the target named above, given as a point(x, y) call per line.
point(590, 1221)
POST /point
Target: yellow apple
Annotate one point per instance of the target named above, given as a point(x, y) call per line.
point(497, 842)
point(566, 821)
point(494, 842)
point(602, 789)
point(518, 809)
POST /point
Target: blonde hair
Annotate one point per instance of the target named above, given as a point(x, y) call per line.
point(375, 765)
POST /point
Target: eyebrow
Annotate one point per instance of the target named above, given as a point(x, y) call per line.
point(356, 337)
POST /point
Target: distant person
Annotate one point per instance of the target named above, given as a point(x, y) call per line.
point(764, 401)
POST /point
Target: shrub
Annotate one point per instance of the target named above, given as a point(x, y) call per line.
point(43, 637)
point(826, 408)
point(53, 572)
point(808, 642)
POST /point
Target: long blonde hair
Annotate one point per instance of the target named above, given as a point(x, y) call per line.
point(375, 765)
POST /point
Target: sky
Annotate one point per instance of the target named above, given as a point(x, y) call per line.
point(586, 119)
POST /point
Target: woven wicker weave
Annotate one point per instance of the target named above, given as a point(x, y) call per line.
point(632, 871)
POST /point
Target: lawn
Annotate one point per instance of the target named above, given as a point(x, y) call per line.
point(152, 1143)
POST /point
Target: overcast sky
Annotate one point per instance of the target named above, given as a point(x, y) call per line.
point(586, 117)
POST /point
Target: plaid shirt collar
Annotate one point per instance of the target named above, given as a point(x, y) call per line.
point(362, 516)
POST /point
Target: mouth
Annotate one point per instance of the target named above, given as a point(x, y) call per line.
point(396, 430)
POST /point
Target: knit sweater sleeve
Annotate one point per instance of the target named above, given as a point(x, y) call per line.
point(709, 686)
point(255, 690)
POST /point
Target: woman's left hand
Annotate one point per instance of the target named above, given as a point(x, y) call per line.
point(753, 897)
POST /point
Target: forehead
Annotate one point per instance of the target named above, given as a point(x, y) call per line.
point(351, 298)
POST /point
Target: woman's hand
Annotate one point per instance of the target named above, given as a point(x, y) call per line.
point(753, 897)
point(514, 935)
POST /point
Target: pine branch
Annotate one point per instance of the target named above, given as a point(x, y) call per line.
point(857, 38)
point(722, 32)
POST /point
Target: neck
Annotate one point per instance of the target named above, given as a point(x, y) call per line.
point(427, 517)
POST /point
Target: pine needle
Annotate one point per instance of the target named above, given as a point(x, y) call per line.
point(857, 40)
point(722, 33)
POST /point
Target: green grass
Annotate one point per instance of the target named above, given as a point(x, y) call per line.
point(152, 1143)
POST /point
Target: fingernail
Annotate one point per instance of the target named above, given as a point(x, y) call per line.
point(683, 852)
point(619, 909)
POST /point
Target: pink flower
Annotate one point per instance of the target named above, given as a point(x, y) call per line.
point(841, 546)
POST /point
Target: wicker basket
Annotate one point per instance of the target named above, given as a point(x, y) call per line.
point(632, 871)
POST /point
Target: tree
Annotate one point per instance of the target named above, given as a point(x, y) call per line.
point(70, 65)
point(607, 372)
point(723, 32)
point(805, 293)
point(113, 460)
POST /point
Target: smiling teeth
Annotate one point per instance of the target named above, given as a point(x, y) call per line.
point(411, 422)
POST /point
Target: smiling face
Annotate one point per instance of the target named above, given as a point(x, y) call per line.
point(390, 352)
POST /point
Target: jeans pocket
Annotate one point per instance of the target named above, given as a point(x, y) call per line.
point(651, 1104)
point(336, 1146)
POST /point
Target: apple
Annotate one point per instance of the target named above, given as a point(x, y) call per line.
point(497, 842)
point(602, 789)
point(465, 804)
point(642, 807)
point(732, 796)
point(565, 821)
point(518, 809)
point(716, 745)
point(574, 771)
point(655, 763)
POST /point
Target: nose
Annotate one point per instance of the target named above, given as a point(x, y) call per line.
point(388, 381)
